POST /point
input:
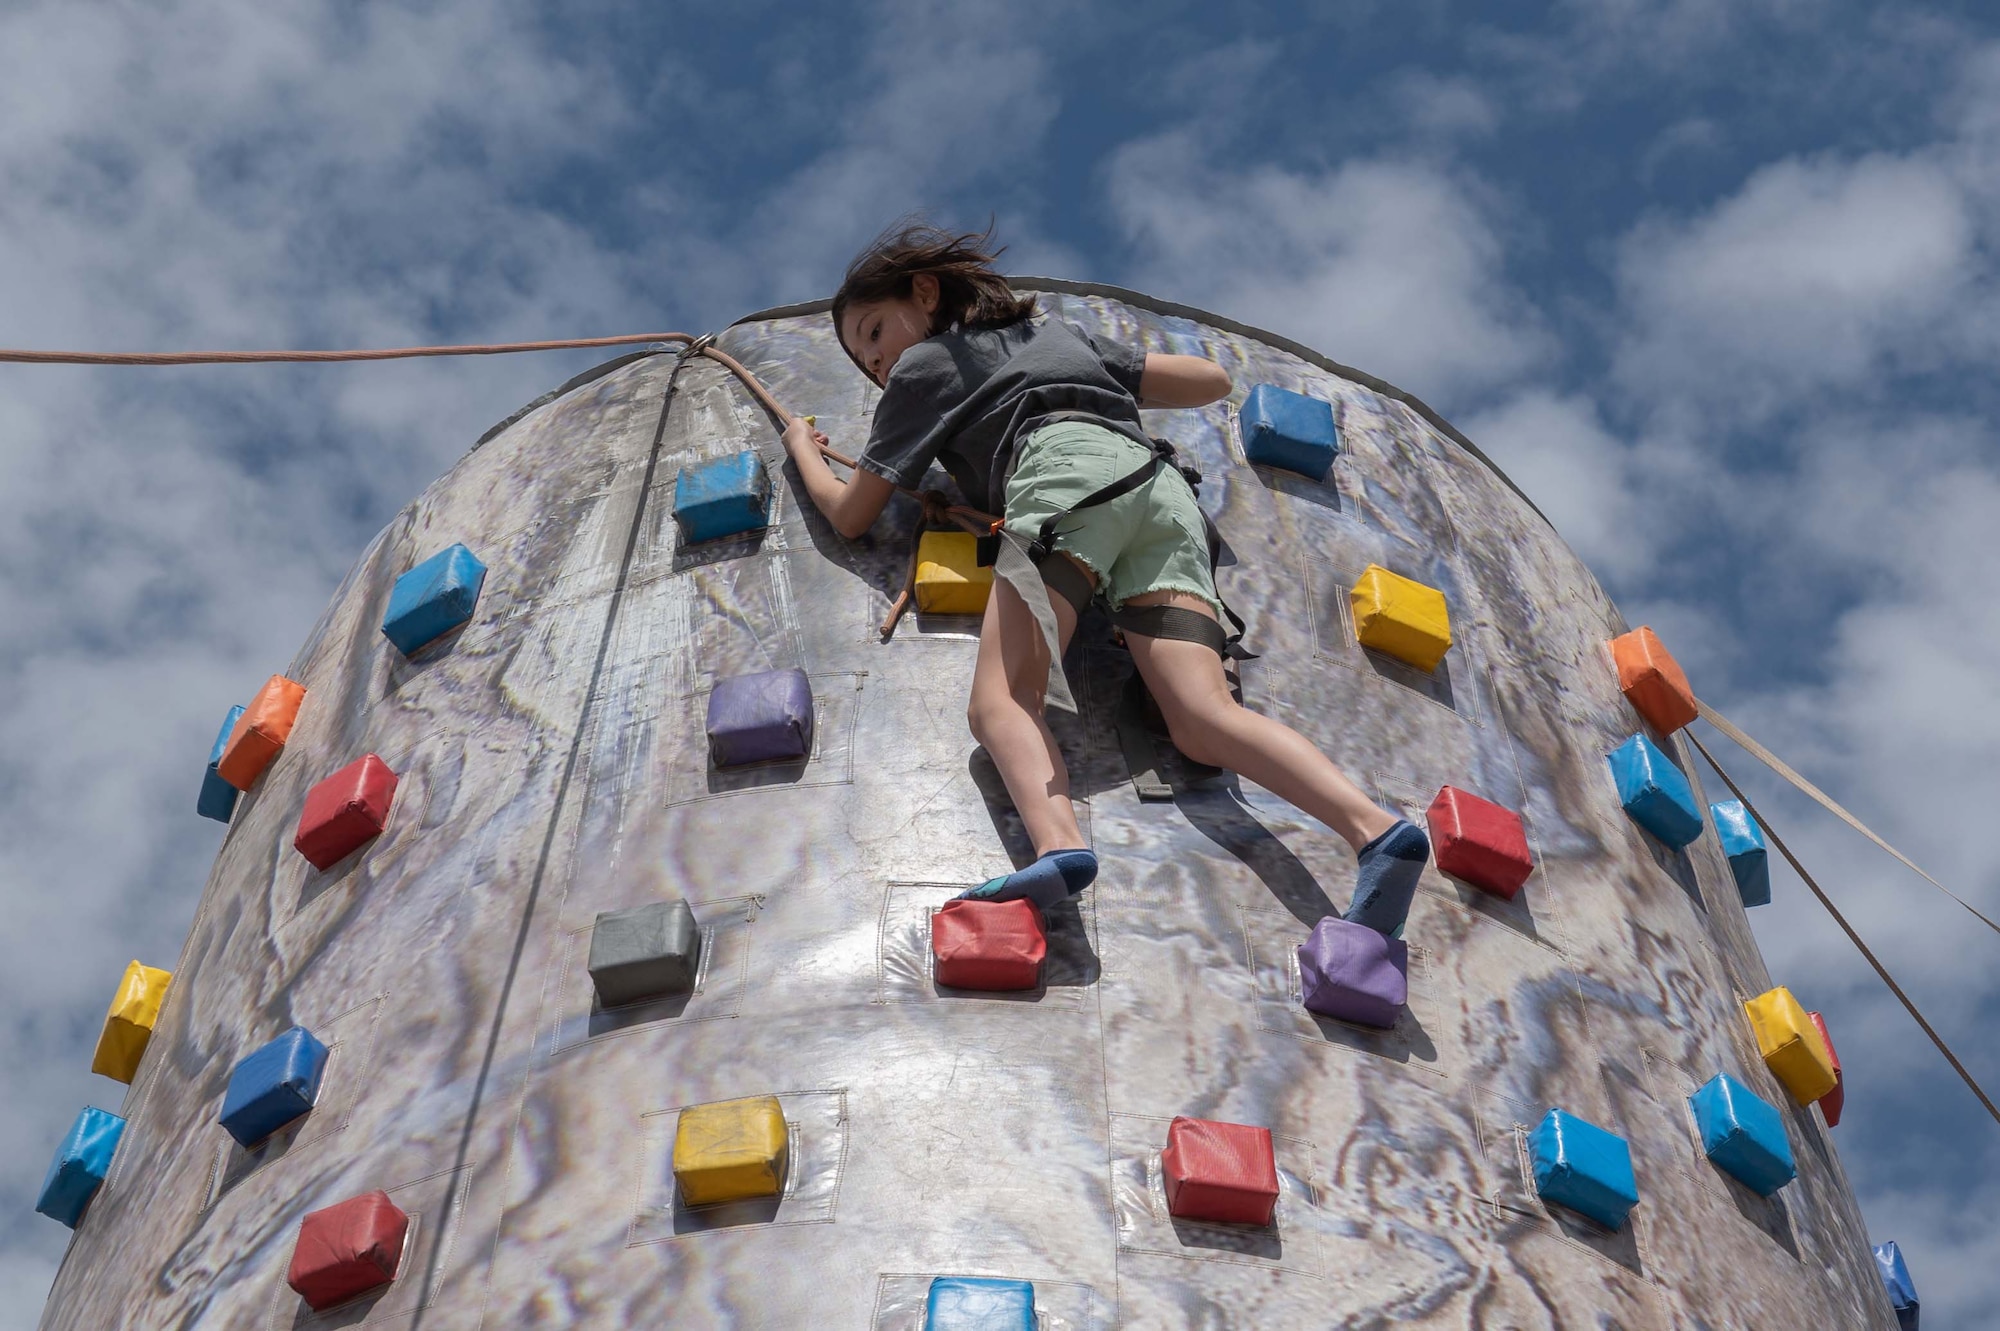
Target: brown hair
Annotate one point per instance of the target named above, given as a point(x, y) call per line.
point(970, 291)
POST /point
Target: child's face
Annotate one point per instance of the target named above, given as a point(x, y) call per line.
point(877, 332)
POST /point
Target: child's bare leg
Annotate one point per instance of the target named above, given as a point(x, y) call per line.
point(1007, 716)
point(1210, 726)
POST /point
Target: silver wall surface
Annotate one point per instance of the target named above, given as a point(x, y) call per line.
point(553, 766)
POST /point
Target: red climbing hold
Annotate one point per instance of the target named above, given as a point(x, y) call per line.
point(1224, 1172)
point(345, 811)
point(1830, 1103)
point(348, 1249)
point(990, 945)
point(1479, 841)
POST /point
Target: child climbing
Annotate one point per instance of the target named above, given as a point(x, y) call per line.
point(1039, 422)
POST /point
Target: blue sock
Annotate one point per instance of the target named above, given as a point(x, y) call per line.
point(1387, 881)
point(1047, 882)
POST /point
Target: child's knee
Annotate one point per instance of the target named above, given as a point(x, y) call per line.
point(990, 709)
point(1196, 735)
point(979, 717)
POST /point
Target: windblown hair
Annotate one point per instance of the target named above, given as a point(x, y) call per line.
point(970, 291)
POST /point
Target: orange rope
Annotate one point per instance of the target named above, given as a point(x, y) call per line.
point(378, 353)
point(937, 511)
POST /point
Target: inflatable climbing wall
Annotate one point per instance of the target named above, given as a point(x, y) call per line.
point(626, 1001)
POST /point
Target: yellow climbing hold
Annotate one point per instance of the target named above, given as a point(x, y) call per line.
point(949, 579)
point(128, 1027)
point(1401, 617)
point(730, 1151)
point(1791, 1045)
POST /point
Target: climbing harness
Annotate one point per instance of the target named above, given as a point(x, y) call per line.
point(1176, 623)
point(1157, 621)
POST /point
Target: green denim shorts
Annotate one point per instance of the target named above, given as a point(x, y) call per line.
point(1151, 540)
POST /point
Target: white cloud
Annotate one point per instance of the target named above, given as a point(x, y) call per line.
point(1816, 273)
point(1436, 107)
point(1391, 266)
point(947, 97)
point(1694, 136)
point(1558, 450)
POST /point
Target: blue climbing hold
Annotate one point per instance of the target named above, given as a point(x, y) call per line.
point(1896, 1280)
point(1655, 792)
point(273, 1085)
point(972, 1303)
point(81, 1163)
point(726, 497)
point(1743, 843)
point(433, 598)
point(1743, 1134)
point(218, 798)
point(1583, 1167)
point(1290, 430)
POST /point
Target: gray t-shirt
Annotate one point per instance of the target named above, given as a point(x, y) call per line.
point(965, 397)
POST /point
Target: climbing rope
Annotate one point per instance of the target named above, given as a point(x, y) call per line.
point(375, 353)
point(1778, 765)
point(1847, 928)
point(938, 510)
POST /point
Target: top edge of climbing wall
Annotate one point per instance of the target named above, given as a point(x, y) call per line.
point(1176, 310)
point(1067, 286)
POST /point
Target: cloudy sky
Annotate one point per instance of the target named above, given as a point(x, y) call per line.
point(1713, 279)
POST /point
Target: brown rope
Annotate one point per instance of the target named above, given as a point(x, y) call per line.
point(374, 353)
point(938, 511)
point(1848, 929)
point(1826, 801)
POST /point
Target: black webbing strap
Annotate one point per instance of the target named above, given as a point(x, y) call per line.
point(1142, 760)
point(1066, 578)
point(1044, 543)
point(1232, 643)
point(1141, 757)
point(1174, 623)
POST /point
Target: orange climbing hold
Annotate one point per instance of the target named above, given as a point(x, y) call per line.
point(1652, 680)
point(261, 731)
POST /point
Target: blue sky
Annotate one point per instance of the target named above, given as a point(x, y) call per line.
point(1713, 279)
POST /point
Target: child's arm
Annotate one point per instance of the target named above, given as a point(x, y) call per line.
point(851, 505)
point(1181, 381)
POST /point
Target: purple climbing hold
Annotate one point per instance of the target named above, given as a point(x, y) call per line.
point(765, 717)
point(1351, 972)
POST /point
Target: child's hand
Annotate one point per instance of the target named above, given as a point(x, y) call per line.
point(800, 436)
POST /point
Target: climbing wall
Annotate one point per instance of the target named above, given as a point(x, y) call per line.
point(546, 761)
